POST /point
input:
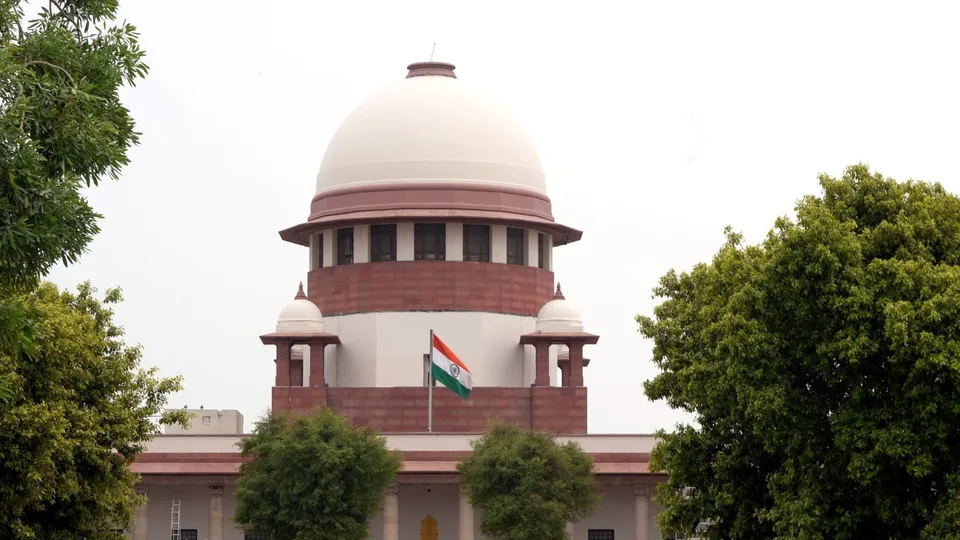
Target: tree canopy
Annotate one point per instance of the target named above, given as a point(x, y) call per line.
point(75, 407)
point(75, 416)
point(313, 477)
point(62, 127)
point(527, 486)
point(823, 370)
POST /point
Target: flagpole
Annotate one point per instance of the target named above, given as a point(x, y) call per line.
point(430, 386)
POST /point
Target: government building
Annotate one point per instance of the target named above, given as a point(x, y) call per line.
point(431, 212)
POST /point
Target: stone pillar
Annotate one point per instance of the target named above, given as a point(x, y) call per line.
point(316, 364)
point(283, 363)
point(543, 364)
point(576, 363)
point(565, 374)
point(466, 515)
point(216, 513)
point(641, 511)
point(570, 530)
point(391, 513)
point(140, 525)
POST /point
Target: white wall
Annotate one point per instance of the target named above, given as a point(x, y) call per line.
point(409, 442)
point(209, 422)
point(387, 348)
point(616, 512)
point(194, 509)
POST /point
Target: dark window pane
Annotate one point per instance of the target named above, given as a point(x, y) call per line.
point(600, 534)
point(515, 246)
point(185, 534)
point(256, 536)
point(345, 246)
point(542, 250)
point(429, 241)
point(476, 243)
point(383, 243)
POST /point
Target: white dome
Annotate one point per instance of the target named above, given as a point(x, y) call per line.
point(300, 315)
point(430, 127)
point(559, 315)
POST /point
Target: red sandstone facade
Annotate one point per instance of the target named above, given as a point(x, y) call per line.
point(430, 286)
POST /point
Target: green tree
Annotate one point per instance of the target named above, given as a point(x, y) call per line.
point(74, 417)
point(313, 477)
point(823, 370)
point(527, 486)
point(62, 127)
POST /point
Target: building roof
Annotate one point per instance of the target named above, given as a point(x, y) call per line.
point(424, 453)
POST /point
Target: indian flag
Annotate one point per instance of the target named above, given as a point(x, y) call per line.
point(449, 370)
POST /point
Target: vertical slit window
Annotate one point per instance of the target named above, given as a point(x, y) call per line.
point(429, 241)
point(476, 243)
point(345, 246)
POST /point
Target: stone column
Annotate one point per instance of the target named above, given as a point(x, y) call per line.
point(466, 515)
point(641, 511)
point(542, 366)
point(283, 363)
point(316, 363)
point(576, 363)
point(570, 531)
point(391, 513)
point(216, 513)
point(140, 525)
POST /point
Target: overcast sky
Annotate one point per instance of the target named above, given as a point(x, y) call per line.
point(657, 123)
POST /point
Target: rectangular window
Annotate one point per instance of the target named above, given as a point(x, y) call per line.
point(429, 241)
point(383, 243)
point(600, 534)
point(256, 536)
point(542, 251)
point(345, 246)
point(319, 243)
point(476, 243)
point(185, 534)
point(515, 246)
point(428, 371)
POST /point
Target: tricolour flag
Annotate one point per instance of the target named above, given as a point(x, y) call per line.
point(449, 370)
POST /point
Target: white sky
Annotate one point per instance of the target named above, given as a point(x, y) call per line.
point(657, 123)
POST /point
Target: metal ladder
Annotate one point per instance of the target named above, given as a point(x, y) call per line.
point(175, 520)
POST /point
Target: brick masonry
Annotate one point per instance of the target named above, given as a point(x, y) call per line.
point(558, 410)
point(430, 286)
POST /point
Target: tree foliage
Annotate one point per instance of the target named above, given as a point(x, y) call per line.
point(527, 486)
point(313, 477)
point(823, 370)
point(74, 417)
point(62, 127)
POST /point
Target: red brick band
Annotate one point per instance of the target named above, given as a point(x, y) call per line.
point(431, 195)
point(430, 286)
point(562, 411)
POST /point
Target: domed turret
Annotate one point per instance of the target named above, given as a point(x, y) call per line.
point(300, 315)
point(559, 315)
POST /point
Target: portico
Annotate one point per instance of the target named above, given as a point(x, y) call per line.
point(445, 508)
point(200, 473)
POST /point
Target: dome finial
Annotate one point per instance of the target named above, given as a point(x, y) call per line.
point(300, 294)
point(558, 295)
point(431, 68)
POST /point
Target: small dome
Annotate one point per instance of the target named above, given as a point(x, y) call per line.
point(300, 315)
point(559, 315)
point(431, 127)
